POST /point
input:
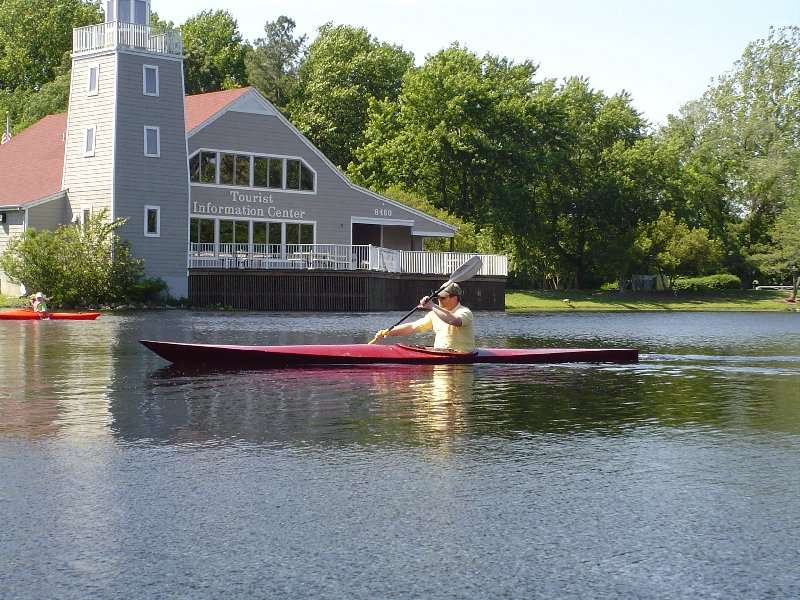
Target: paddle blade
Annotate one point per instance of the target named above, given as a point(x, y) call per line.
point(467, 270)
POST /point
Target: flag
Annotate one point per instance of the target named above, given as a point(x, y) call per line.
point(7, 133)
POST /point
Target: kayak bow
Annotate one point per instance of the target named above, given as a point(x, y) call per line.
point(227, 356)
point(29, 315)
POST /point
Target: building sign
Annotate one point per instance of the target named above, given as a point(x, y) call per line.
point(248, 204)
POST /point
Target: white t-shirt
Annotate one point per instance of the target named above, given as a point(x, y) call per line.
point(449, 336)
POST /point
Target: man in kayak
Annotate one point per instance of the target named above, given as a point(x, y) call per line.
point(450, 320)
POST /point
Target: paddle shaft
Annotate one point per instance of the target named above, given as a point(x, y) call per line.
point(413, 310)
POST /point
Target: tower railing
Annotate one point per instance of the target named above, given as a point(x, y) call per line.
point(110, 36)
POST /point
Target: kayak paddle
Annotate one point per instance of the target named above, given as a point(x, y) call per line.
point(462, 273)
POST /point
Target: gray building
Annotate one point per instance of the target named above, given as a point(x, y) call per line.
point(201, 180)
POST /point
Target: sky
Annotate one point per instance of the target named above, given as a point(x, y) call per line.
point(664, 53)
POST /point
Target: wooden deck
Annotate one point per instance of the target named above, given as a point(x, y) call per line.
point(330, 291)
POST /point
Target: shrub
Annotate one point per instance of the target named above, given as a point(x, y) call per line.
point(86, 265)
point(709, 283)
point(149, 290)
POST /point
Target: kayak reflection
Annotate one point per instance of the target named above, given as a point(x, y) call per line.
point(317, 405)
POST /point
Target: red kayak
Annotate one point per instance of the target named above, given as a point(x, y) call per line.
point(29, 315)
point(358, 354)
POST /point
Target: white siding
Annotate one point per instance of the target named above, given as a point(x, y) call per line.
point(89, 179)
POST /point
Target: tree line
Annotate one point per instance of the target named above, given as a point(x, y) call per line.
point(570, 181)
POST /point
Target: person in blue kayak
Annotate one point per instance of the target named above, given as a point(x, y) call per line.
point(39, 304)
point(451, 321)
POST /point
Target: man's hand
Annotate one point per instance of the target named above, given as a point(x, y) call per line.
point(382, 333)
point(426, 303)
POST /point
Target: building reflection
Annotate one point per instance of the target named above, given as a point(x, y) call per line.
point(57, 378)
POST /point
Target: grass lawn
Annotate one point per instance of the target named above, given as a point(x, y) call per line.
point(534, 300)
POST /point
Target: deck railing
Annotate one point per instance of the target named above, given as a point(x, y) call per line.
point(109, 36)
point(337, 257)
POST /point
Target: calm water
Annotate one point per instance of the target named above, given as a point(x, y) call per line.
point(678, 477)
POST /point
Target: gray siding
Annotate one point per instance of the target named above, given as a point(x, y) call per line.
point(89, 179)
point(141, 180)
point(49, 215)
point(333, 205)
point(13, 226)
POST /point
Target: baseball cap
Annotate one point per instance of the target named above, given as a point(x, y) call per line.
point(452, 290)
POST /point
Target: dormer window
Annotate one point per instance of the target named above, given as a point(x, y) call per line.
point(150, 80)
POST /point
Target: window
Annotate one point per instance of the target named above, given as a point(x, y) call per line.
point(275, 173)
point(124, 11)
point(89, 140)
point(194, 168)
point(299, 233)
point(267, 233)
point(306, 178)
point(292, 174)
point(110, 14)
point(140, 12)
point(225, 168)
point(86, 215)
point(268, 172)
point(234, 169)
point(152, 221)
point(152, 141)
point(201, 231)
point(208, 167)
point(93, 80)
point(234, 232)
point(149, 80)
point(260, 172)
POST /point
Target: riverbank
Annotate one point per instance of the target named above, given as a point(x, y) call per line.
point(576, 300)
point(589, 300)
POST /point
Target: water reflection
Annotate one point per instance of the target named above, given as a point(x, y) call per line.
point(57, 378)
point(91, 380)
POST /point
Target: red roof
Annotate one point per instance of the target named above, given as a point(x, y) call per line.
point(32, 163)
point(200, 107)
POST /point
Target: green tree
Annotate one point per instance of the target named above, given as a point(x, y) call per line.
point(673, 248)
point(739, 145)
point(599, 178)
point(158, 23)
point(343, 70)
point(214, 52)
point(464, 133)
point(35, 35)
point(781, 258)
point(272, 65)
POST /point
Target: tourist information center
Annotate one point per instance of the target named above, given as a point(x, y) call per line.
point(212, 181)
